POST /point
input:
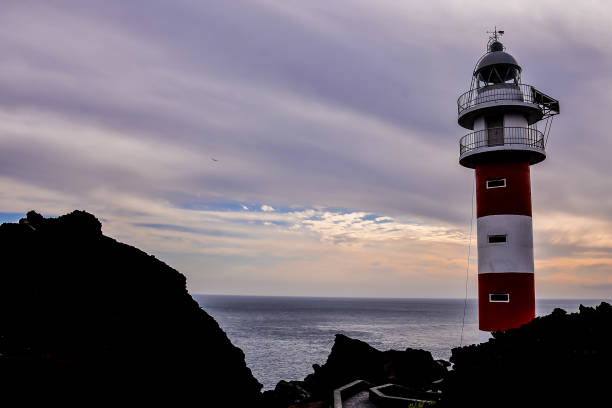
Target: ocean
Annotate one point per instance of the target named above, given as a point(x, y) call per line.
point(283, 336)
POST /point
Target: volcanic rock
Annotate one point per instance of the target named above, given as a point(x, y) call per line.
point(286, 393)
point(85, 316)
point(556, 360)
point(352, 359)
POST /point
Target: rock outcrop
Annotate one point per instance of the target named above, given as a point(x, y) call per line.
point(84, 315)
point(556, 360)
point(352, 359)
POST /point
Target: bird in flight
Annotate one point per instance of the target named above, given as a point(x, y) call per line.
point(213, 159)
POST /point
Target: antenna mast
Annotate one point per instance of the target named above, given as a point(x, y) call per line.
point(494, 36)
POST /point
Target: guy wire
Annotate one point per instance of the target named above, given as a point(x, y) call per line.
point(467, 268)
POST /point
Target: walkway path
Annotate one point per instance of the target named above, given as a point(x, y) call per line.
point(359, 400)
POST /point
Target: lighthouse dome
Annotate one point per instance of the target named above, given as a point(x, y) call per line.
point(497, 66)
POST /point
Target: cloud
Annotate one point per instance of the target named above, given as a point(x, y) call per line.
point(342, 119)
point(357, 227)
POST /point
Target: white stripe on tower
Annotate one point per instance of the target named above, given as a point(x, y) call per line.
point(514, 255)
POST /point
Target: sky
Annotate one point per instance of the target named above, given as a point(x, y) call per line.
point(307, 148)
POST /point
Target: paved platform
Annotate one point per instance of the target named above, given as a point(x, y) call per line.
point(359, 400)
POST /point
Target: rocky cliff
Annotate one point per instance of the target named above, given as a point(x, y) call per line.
point(84, 315)
point(556, 360)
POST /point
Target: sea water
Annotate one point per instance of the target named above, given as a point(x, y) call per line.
point(283, 336)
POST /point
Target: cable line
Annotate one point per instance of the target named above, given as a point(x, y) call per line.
point(467, 268)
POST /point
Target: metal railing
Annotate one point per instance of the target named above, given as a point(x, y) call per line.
point(508, 92)
point(502, 136)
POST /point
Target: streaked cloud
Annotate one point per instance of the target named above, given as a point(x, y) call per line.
point(333, 131)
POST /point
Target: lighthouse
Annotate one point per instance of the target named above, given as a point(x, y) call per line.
point(502, 115)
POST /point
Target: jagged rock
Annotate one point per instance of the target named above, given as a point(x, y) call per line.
point(81, 313)
point(556, 360)
point(349, 360)
point(412, 368)
point(352, 359)
point(286, 393)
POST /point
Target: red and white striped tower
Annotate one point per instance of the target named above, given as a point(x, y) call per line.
point(503, 114)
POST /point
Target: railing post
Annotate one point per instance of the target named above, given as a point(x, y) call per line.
point(512, 136)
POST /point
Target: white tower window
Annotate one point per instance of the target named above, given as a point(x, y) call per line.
point(498, 239)
point(496, 183)
point(499, 297)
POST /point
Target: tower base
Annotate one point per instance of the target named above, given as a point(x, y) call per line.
point(505, 300)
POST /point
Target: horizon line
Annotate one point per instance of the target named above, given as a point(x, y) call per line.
point(386, 298)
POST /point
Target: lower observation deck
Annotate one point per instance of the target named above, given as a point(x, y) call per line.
point(501, 143)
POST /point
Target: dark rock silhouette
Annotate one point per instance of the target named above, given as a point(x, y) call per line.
point(352, 359)
point(556, 360)
point(84, 318)
point(82, 314)
point(287, 393)
point(560, 360)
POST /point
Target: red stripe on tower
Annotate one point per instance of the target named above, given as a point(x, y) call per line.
point(504, 143)
point(515, 195)
point(503, 315)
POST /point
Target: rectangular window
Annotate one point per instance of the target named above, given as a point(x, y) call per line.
point(498, 239)
point(499, 297)
point(496, 183)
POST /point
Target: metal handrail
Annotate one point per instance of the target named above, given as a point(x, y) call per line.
point(507, 92)
point(501, 136)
